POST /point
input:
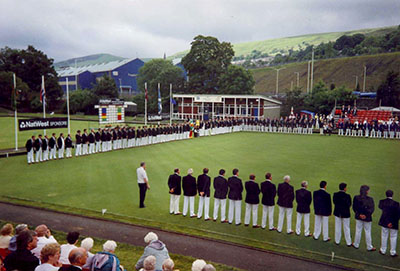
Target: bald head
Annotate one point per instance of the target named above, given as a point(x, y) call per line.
point(78, 256)
point(41, 230)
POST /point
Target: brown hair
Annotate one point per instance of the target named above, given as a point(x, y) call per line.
point(7, 229)
point(49, 250)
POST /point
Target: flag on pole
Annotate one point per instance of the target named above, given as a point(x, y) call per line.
point(173, 101)
point(43, 93)
point(159, 100)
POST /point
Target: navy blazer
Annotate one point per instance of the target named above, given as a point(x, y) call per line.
point(303, 199)
point(342, 202)
point(189, 186)
point(235, 188)
point(363, 206)
point(29, 145)
point(174, 182)
point(322, 203)
point(390, 213)
point(252, 192)
point(268, 190)
point(221, 187)
point(285, 195)
point(203, 184)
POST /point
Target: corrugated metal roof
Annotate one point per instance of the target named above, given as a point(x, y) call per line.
point(102, 67)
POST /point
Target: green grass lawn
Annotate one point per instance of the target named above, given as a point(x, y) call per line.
point(88, 184)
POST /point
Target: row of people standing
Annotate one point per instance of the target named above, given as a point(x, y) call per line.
point(232, 188)
point(372, 129)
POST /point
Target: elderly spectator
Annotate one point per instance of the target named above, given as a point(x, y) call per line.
point(168, 265)
point(13, 242)
point(77, 257)
point(208, 267)
point(44, 237)
point(156, 248)
point(198, 265)
point(72, 239)
point(87, 244)
point(22, 259)
point(104, 260)
point(149, 264)
point(49, 257)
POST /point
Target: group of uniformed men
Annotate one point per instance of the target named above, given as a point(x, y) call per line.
point(362, 205)
point(374, 129)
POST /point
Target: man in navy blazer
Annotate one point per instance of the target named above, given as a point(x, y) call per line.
point(268, 190)
point(323, 209)
point(389, 222)
point(189, 192)
point(235, 197)
point(29, 150)
point(203, 187)
point(221, 190)
point(174, 185)
point(285, 203)
point(342, 202)
point(252, 200)
point(303, 199)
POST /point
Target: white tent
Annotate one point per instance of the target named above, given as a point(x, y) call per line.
point(386, 108)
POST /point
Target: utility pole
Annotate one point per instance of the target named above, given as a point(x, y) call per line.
point(356, 76)
point(277, 79)
point(308, 76)
point(312, 70)
point(297, 84)
point(365, 77)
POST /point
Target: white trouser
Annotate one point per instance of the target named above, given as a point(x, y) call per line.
point(393, 240)
point(68, 152)
point(268, 211)
point(53, 153)
point(324, 220)
point(306, 223)
point(104, 147)
point(85, 149)
point(186, 201)
point(174, 204)
point(98, 144)
point(91, 148)
point(78, 150)
point(61, 153)
point(251, 209)
point(124, 143)
point(289, 212)
point(346, 230)
point(29, 157)
point(39, 157)
point(204, 202)
point(367, 229)
point(235, 207)
point(115, 144)
point(46, 155)
point(109, 144)
point(218, 202)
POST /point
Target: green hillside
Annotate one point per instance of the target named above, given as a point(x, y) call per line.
point(340, 71)
point(274, 46)
point(88, 60)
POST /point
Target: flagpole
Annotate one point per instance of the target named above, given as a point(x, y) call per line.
point(170, 104)
point(44, 103)
point(69, 126)
point(145, 103)
point(15, 112)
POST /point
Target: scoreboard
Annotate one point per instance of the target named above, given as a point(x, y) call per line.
point(111, 111)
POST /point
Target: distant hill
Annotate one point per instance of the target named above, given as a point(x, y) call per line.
point(282, 45)
point(87, 60)
point(340, 71)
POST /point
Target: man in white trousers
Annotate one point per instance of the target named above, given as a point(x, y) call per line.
point(203, 187)
point(252, 200)
point(342, 202)
point(268, 189)
point(364, 207)
point(61, 146)
point(29, 150)
point(221, 190)
point(38, 149)
point(303, 199)
point(174, 184)
point(189, 192)
point(323, 209)
point(389, 222)
point(53, 146)
point(285, 203)
point(235, 197)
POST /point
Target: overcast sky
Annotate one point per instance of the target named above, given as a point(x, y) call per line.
point(148, 28)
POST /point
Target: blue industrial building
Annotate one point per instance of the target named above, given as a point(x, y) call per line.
point(124, 72)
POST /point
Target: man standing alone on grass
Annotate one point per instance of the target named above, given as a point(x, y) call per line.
point(143, 183)
point(342, 202)
point(174, 184)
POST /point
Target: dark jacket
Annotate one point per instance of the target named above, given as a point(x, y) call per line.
point(70, 268)
point(322, 203)
point(189, 186)
point(22, 260)
point(303, 199)
point(363, 205)
point(342, 202)
point(221, 187)
point(29, 145)
point(45, 144)
point(252, 192)
point(285, 195)
point(60, 142)
point(235, 188)
point(203, 184)
point(38, 144)
point(174, 182)
point(52, 142)
point(390, 213)
point(68, 142)
point(268, 190)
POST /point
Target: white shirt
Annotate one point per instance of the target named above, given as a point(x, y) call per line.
point(42, 241)
point(65, 250)
point(5, 241)
point(46, 267)
point(141, 175)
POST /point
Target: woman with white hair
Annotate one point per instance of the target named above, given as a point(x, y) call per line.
point(87, 244)
point(198, 265)
point(149, 263)
point(105, 260)
point(189, 192)
point(156, 248)
point(168, 265)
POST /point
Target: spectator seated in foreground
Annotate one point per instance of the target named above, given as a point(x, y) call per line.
point(156, 248)
point(106, 260)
